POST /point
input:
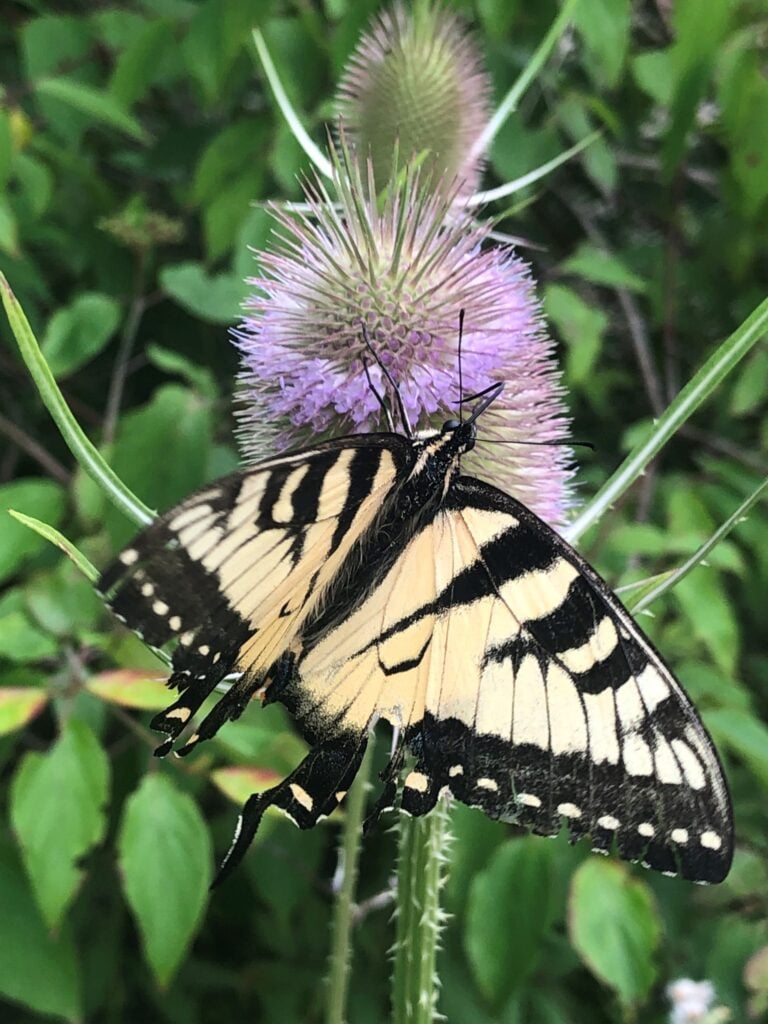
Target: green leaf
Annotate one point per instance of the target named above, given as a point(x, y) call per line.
point(254, 235)
point(19, 705)
point(9, 236)
point(603, 268)
point(745, 735)
point(96, 103)
point(37, 969)
point(165, 860)
point(78, 332)
point(57, 804)
point(749, 388)
point(6, 147)
point(198, 376)
point(475, 838)
point(614, 926)
point(52, 535)
point(130, 688)
point(172, 430)
point(240, 783)
point(604, 27)
point(35, 183)
point(711, 615)
point(582, 327)
point(655, 74)
point(744, 98)
point(509, 917)
point(21, 641)
point(216, 298)
point(35, 497)
point(51, 44)
point(140, 62)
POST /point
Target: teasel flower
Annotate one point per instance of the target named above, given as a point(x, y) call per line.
point(399, 272)
point(416, 83)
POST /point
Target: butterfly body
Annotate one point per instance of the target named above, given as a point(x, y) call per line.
point(367, 578)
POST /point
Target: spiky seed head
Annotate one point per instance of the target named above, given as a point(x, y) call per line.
point(415, 86)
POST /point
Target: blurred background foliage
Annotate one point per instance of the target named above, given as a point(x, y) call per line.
point(136, 141)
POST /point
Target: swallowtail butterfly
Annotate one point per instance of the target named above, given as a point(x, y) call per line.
point(366, 578)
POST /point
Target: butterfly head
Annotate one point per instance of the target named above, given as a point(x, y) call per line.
point(462, 434)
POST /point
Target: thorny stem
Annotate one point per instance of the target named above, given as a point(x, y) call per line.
point(421, 874)
point(344, 909)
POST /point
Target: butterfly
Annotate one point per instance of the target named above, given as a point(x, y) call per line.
point(366, 578)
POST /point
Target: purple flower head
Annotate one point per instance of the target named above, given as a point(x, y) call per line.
point(415, 84)
point(400, 270)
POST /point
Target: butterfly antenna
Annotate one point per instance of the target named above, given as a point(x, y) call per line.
point(379, 398)
point(566, 444)
point(390, 380)
point(490, 395)
point(461, 381)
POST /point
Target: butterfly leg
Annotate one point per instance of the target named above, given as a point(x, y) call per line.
point(309, 793)
point(390, 776)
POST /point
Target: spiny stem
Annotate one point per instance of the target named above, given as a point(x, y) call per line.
point(341, 926)
point(422, 864)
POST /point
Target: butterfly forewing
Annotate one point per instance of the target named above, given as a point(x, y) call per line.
point(232, 572)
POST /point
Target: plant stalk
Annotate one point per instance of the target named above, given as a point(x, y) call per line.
point(339, 964)
point(421, 874)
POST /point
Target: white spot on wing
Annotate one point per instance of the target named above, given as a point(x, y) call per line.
point(160, 608)
point(490, 784)
point(417, 781)
point(679, 835)
point(608, 822)
point(710, 840)
point(528, 800)
point(301, 796)
point(569, 810)
point(129, 556)
point(645, 828)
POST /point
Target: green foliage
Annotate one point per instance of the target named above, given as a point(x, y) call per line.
point(165, 860)
point(615, 928)
point(57, 812)
point(138, 146)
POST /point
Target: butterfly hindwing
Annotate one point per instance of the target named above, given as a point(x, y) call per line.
point(523, 686)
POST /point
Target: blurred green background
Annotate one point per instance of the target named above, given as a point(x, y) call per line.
point(134, 141)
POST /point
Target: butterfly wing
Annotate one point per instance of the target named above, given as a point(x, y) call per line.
point(233, 571)
point(524, 686)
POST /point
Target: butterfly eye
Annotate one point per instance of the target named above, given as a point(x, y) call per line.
point(450, 425)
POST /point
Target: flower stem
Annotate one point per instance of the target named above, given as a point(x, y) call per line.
point(420, 877)
point(341, 926)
